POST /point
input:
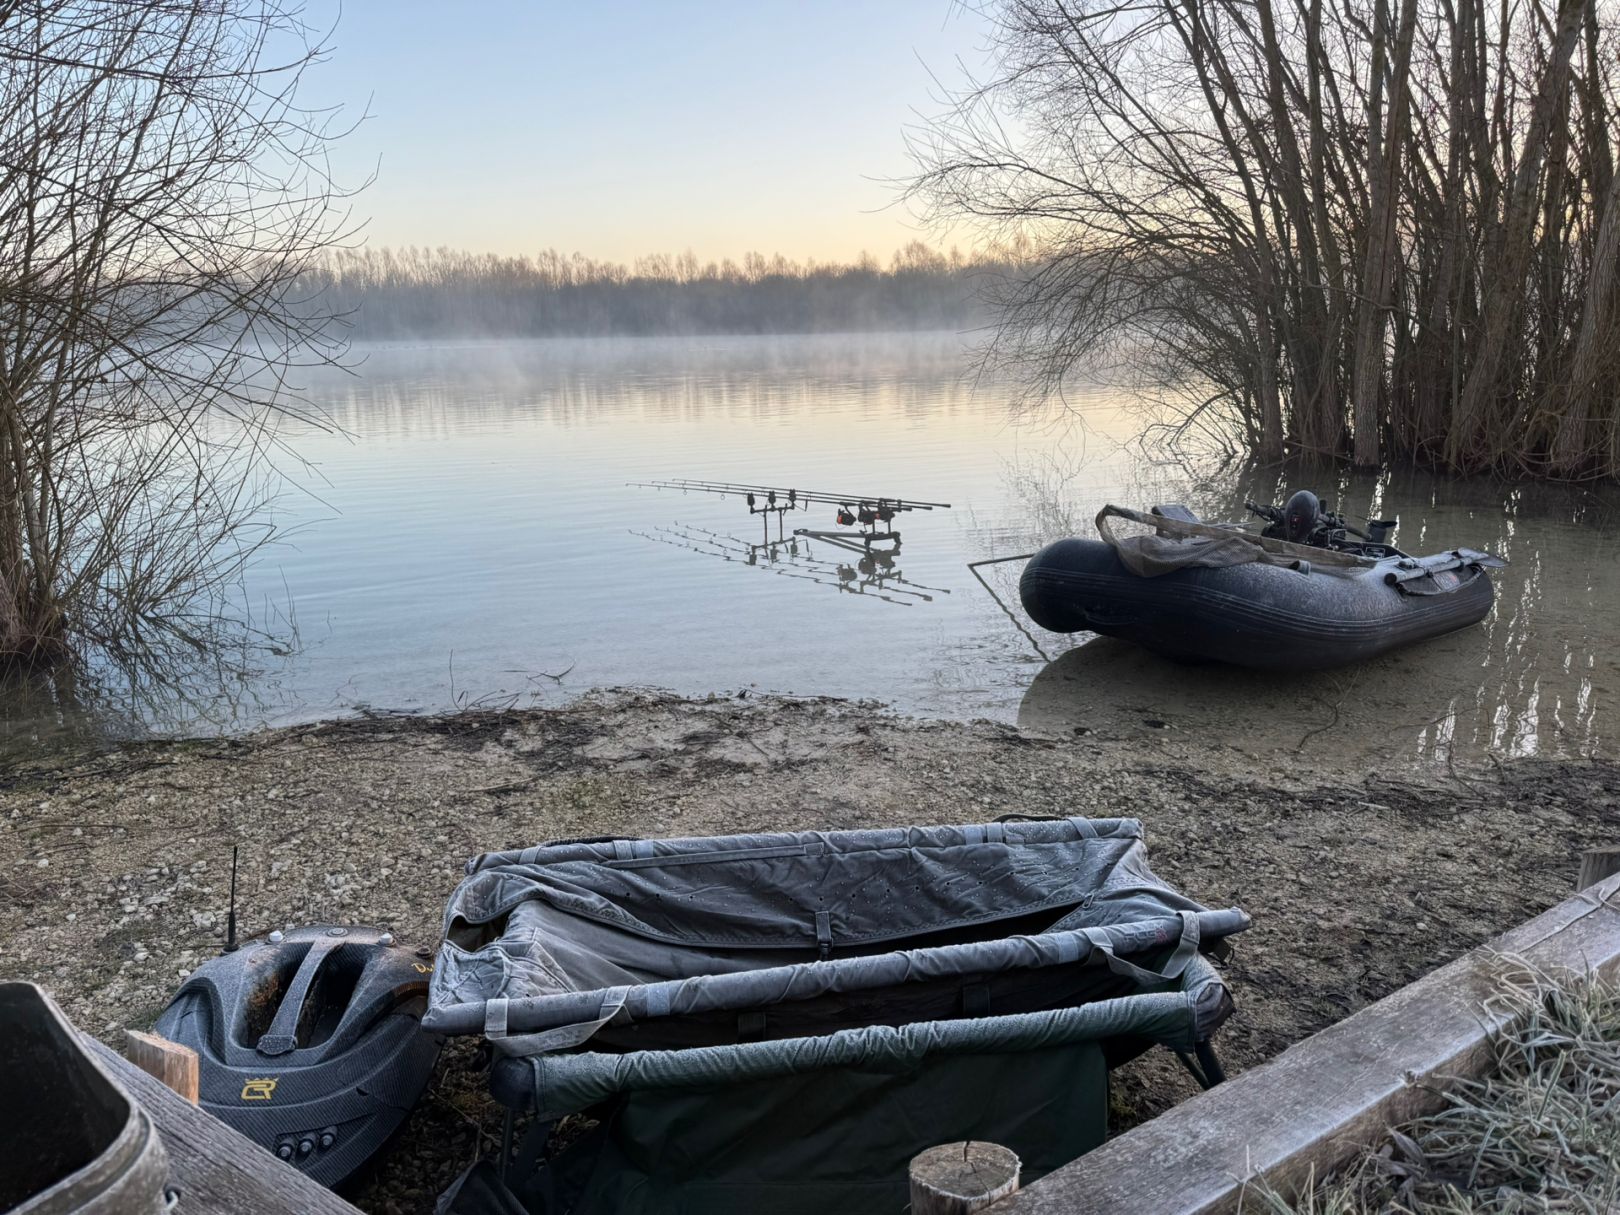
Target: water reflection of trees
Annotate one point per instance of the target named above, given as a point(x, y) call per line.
point(221, 679)
point(448, 389)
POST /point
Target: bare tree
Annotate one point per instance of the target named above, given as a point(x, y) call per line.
point(163, 196)
point(1354, 229)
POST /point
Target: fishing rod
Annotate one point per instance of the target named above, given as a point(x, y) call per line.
point(873, 514)
point(793, 498)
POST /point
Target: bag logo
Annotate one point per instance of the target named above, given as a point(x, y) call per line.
point(259, 1090)
point(420, 969)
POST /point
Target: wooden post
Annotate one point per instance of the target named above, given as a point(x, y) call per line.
point(170, 1062)
point(956, 1178)
point(1597, 864)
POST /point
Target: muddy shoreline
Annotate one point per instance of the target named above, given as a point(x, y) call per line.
point(113, 864)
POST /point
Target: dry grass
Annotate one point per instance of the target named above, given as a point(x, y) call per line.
point(1540, 1134)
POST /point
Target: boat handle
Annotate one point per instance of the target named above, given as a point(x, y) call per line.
point(1479, 572)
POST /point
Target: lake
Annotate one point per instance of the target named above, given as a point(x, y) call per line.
point(469, 534)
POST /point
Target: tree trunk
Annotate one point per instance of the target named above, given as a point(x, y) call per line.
point(1593, 348)
point(1504, 288)
point(1378, 270)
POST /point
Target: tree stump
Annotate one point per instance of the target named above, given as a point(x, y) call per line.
point(956, 1178)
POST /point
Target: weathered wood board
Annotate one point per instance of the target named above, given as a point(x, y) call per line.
point(1323, 1099)
point(213, 1167)
point(175, 1065)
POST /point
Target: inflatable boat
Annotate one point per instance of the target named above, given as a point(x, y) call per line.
point(1306, 594)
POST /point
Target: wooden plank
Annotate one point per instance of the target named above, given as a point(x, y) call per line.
point(1314, 1106)
point(213, 1167)
point(175, 1065)
point(1597, 864)
point(960, 1178)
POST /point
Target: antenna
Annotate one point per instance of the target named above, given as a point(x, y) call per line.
point(230, 916)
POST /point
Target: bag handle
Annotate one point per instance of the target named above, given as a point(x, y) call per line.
point(1186, 948)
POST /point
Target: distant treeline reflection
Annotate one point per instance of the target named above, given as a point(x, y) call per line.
point(393, 293)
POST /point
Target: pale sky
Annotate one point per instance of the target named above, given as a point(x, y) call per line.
point(640, 127)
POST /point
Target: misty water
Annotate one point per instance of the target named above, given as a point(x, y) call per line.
point(467, 534)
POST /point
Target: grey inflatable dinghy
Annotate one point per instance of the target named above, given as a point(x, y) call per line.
point(1192, 590)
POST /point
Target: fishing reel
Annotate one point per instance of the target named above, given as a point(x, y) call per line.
point(864, 513)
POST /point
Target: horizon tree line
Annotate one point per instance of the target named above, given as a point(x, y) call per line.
point(422, 292)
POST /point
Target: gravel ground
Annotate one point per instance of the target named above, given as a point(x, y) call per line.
point(114, 865)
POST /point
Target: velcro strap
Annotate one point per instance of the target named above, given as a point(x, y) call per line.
point(824, 934)
point(751, 1026)
point(1083, 827)
point(495, 1017)
point(563, 1037)
point(657, 996)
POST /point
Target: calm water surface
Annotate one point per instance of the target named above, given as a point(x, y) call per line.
point(470, 533)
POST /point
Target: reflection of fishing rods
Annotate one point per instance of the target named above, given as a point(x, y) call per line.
point(838, 576)
point(878, 567)
point(733, 549)
point(676, 539)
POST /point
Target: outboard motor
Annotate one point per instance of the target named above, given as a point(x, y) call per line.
point(310, 1042)
point(1300, 514)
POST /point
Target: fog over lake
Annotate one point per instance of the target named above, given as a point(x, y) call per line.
point(468, 533)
